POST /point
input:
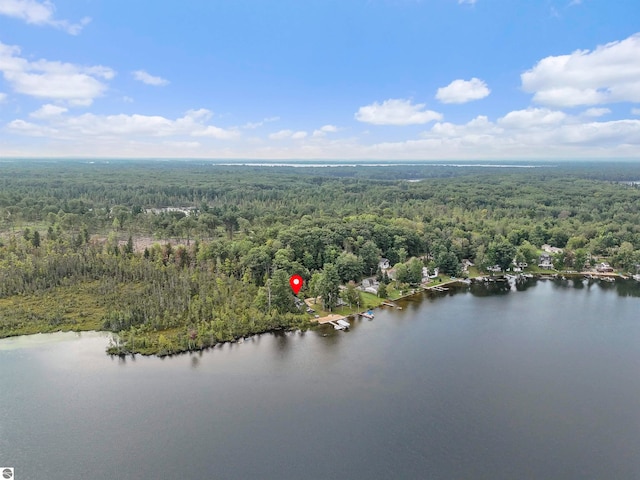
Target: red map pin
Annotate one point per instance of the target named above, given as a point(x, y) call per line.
point(296, 283)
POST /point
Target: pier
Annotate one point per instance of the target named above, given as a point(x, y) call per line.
point(438, 288)
point(388, 303)
point(329, 319)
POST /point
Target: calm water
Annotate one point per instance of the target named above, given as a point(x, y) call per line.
point(541, 382)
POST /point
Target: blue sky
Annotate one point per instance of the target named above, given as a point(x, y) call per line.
point(293, 79)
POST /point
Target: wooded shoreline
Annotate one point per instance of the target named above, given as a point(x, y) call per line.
point(71, 259)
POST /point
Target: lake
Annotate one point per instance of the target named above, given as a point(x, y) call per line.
point(540, 380)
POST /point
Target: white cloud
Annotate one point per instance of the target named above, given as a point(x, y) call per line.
point(322, 131)
point(190, 145)
point(463, 91)
point(574, 3)
point(76, 84)
point(596, 112)
point(610, 73)
point(574, 136)
point(531, 133)
point(396, 112)
point(535, 133)
point(635, 111)
point(216, 132)
point(480, 125)
point(532, 117)
point(145, 77)
point(3, 97)
point(254, 125)
point(121, 127)
point(40, 13)
point(281, 135)
point(589, 140)
point(48, 111)
point(468, 2)
point(284, 134)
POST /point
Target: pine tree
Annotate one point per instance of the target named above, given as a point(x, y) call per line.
point(35, 240)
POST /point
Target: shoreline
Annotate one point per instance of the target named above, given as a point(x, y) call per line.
point(485, 277)
point(313, 323)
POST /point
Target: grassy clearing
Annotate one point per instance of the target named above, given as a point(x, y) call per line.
point(369, 301)
point(79, 308)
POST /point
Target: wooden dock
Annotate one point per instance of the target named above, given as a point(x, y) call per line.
point(388, 303)
point(329, 319)
point(438, 288)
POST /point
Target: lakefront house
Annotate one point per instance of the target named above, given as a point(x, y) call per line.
point(604, 267)
point(545, 262)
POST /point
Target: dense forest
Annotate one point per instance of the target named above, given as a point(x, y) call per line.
point(177, 256)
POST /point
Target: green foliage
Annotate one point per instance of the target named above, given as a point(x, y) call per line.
point(282, 298)
point(35, 240)
point(410, 272)
point(222, 271)
point(527, 253)
point(448, 263)
point(369, 254)
point(328, 287)
point(501, 253)
point(349, 267)
point(402, 272)
point(350, 295)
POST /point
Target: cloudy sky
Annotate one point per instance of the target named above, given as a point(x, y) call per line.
point(325, 79)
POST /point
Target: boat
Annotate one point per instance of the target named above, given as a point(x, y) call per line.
point(368, 314)
point(343, 323)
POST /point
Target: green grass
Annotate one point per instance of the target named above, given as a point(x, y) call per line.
point(79, 308)
point(537, 269)
point(369, 301)
point(474, 272)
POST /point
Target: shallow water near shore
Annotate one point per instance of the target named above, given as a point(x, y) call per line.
point(532, 380)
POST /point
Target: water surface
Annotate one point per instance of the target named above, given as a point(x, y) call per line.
point(536, 381)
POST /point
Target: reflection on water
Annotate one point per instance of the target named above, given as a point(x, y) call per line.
point(627, 288)
point(195, 360)
point(489, 289)
point(42, 339)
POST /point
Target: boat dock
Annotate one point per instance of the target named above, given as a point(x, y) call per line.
point(438, 288)
point(330, 319)
point(388, 303)
point(340, 324)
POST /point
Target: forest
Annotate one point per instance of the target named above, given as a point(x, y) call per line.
point(176, 256)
